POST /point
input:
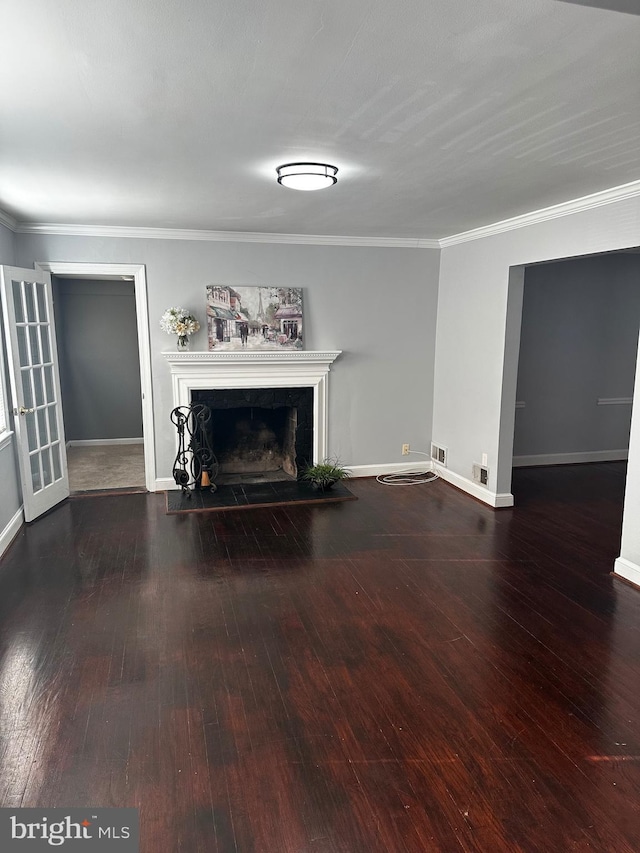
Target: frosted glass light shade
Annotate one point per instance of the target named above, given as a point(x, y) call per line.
point(307, 176)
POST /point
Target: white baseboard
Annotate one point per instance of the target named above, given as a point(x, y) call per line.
point(96, 442)
point(485, 495)
point(387, 468)
point(9, 533)
point(502, 499)
point(570, 458)
point(494, 499)
point(627, 570)
point(165, 484)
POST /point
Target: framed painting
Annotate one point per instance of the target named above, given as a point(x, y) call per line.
point(254, 318)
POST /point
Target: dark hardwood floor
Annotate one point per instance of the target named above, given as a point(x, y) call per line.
point(411, 671)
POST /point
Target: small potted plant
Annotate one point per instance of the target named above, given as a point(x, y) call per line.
point(324, 475)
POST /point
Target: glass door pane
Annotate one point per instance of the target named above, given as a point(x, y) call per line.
point(27, 310)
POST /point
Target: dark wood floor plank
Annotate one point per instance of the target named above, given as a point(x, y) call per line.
point(577, 703)
point(412, 671)
point(494, 737)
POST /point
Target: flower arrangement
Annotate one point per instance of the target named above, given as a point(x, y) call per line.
point(178, 321)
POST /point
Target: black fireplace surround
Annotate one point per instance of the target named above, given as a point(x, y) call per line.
point(298, 400)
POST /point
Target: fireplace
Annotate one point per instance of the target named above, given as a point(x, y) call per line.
point(225, 375)
point(259, 433)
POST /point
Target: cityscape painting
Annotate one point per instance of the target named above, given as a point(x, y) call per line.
point(254, 318)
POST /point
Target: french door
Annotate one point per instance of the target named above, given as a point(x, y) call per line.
point(27, 308)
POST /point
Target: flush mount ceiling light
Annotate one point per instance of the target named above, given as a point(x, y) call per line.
point(307, 176)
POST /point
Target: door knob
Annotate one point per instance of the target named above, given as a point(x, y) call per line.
point(23, 411)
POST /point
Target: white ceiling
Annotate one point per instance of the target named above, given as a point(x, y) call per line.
point(442, 115)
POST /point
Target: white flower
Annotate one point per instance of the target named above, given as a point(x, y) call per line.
point(179, 321)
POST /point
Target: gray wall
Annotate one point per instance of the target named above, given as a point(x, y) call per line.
point(10, 497)
point(378, 305)
point(98, 358)
point(578, 343)
point(6, 246)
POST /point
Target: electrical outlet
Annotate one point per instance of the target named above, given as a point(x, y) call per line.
point(485, 459)
point(405, 449)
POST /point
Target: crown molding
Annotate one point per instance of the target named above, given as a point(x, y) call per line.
point(587, 202)
point(8, 221)
point(69, 230)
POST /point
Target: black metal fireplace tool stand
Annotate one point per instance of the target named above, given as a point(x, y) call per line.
point(195, 466)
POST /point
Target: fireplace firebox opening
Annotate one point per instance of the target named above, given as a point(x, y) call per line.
point(261, 434)
point(255, 440)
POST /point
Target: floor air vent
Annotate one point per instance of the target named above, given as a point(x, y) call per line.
point(480, 474)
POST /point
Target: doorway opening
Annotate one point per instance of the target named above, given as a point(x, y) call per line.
point(101, 396)
point(571, 358)
point(103, 353)
point(577, 361)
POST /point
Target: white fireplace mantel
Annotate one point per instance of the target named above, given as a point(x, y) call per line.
point(219, 370)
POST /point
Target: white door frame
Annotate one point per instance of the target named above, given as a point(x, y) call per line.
point(138, 272)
